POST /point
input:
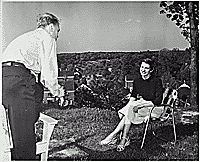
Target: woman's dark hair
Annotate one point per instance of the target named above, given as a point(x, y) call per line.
point(45, 19)
point(148, 61)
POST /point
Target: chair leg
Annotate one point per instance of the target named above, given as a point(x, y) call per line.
point(44, 156)
point(173, 120)
point(185, 104)
point(145, 132)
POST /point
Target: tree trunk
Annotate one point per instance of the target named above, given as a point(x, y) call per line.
point(193, 65)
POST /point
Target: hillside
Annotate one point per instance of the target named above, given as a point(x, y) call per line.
point(172, 65)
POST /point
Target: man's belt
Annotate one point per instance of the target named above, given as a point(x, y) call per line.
point(12, 63)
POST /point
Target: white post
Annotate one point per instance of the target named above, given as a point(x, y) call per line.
point(5, 154)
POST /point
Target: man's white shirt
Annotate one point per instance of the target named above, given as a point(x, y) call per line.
point(37, 51)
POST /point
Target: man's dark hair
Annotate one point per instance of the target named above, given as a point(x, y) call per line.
point(46, 19)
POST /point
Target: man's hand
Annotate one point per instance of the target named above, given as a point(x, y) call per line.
point(135, 109)
point(61, 92)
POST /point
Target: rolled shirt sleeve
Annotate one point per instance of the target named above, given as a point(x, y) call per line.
point(49, 67)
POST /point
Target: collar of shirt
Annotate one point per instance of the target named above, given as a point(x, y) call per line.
point(45, 33)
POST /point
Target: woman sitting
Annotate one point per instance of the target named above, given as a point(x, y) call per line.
point(147, 92)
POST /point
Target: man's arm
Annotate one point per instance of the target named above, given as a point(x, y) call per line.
point(49, 71)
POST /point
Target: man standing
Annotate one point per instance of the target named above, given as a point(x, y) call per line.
point(29, 63)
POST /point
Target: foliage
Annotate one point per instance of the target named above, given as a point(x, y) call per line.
point(178, 11)
point(126, 63)
point(108, 86)
point(174, 65)
point(186, 16)
point(106, 94)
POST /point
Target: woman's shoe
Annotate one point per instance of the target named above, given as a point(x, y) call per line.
point(122, 147)
point(107, 141)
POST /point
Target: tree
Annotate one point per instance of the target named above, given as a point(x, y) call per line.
point(186, 16)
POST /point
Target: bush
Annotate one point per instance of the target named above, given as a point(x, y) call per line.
point(106, 94)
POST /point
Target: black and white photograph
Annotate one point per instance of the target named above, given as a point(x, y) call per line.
point(99, 80)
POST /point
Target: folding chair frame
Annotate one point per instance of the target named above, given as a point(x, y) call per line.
point(149, 120)
point(41, 147)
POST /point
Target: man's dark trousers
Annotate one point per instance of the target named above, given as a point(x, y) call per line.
point(22, 96)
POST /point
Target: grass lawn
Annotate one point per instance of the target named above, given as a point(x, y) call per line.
point(88, 126)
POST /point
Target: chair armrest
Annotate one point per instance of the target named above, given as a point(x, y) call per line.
point(170, 106)
point(162, 107)
point(47, 119)
point(165, 105)
point(49, 123)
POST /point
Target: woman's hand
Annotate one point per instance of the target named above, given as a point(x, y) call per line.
point(132, 99)
point(139, 97)
point(128, 96)
point(135, 109)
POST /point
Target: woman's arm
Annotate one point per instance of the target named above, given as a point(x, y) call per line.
point(158, 93)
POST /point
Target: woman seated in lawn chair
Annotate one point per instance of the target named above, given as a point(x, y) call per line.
point(147, 92)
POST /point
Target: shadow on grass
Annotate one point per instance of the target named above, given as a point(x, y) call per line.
point(152, 149)
point(55, 149)
point(187, 129)
point(182, 130)
point(131, 152)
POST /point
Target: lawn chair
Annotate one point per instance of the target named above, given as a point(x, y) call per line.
point(41, 147)
point(168, 105)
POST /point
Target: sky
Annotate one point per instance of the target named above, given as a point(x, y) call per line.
point(97, 25)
